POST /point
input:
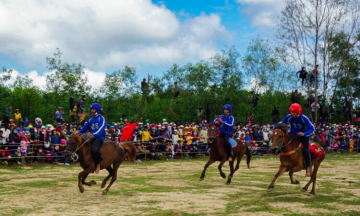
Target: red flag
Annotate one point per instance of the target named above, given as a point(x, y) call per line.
point(127, 132)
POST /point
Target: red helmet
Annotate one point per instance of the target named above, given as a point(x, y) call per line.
point(295, 107)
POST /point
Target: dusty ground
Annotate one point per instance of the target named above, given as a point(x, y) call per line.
point(173, 188)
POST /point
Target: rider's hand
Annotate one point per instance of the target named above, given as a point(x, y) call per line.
point(91, 136)
point(220, 120)
point(216, 122)
point(301, 134)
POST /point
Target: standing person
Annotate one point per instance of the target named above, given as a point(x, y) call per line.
point(17, 115)
point(302, 75)
point(74, 112)
point(294, 96)
point(315, 73)
point(143, 85)
point(226, 122)
point(313, 110)
point(96, 124)
point(82, 115)
point(9, 110)
point(275, 114)
point(59, 115)
point(301, 127)
point(81, 101)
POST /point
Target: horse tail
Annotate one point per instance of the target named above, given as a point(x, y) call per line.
point(130, 150)
point(248, 156)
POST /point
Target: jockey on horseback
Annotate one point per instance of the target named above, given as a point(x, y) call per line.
point(96, 125)
point(301, 127)
point(226, 122)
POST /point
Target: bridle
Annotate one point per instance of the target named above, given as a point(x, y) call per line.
point(217, 133)
point(282, 141)
point(78, 147)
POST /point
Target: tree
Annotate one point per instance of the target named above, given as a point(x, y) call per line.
point(306, 27)
point(67, 79)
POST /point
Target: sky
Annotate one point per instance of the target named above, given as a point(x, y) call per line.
point(108, 35)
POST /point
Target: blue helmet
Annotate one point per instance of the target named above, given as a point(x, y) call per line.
point(228, 107)
point(112, 126)
point(97, 107)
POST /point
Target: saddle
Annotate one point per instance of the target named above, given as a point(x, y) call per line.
point(231, 141)
point(315, 150)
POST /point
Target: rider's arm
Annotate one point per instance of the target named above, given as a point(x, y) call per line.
point(230, 122)
point(309, 126)
point(101, 127)
point(85, 128)
point(285, 121)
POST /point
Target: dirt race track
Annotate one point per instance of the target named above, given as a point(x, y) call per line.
point(173, 188)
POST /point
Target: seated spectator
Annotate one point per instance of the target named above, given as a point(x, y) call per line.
point(154, 152)
point(142, 151)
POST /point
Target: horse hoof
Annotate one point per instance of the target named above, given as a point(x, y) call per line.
point(297, 182)
point(201, 178)
point(311, 194)
point(103, 185)
point(227, 183)
point(304, 190)
point(92, 182)
point(223, 175)
point(81, 189)
point(104, 192)
point(270, 188)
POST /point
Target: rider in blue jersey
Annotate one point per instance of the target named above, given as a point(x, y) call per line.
point(96, 124)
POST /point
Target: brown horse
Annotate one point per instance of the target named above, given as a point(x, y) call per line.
point(218, 153)
point(292, 158)
point(111, 152)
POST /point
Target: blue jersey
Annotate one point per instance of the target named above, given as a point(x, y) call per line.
point(96, 125)
point(301, 124)
point(228, 125)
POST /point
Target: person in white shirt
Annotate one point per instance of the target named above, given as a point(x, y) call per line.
point(6, 131)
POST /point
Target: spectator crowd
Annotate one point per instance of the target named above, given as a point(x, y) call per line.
point(22, 141)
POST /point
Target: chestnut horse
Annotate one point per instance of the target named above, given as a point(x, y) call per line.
point(292, 158)
point(111, 153)
point(218, 153)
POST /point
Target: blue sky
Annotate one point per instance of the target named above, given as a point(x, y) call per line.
point(107, 35)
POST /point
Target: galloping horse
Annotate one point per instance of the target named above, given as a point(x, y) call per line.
point(111, 152)
point(218, 153)
point(292, 158)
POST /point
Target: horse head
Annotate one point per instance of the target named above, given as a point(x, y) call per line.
point(212, 132)
point(277, 138)
point(72, 144)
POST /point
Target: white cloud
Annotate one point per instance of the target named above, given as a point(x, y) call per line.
point(262, 13)
point(95, 78)
point(105, 34)
point(254, 86)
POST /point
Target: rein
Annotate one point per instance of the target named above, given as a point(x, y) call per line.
point(78, 147)
point(282, 146)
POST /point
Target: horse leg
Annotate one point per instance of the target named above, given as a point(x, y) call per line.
point(110, 170)
point(92, 182)
point(279, 173)
point(114, 177)
point(231, 164)
point(238, 162)
point(220, 166)
point(295, 169)
point(80, 176)
point(313, 178)
point(206, 166)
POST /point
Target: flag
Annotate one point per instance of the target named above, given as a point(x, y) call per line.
point(127, 133)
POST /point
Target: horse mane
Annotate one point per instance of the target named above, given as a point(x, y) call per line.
point(317, 140)
point(77, 137)
point(280, 126)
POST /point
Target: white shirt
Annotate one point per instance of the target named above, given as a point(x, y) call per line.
point(6, 133)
